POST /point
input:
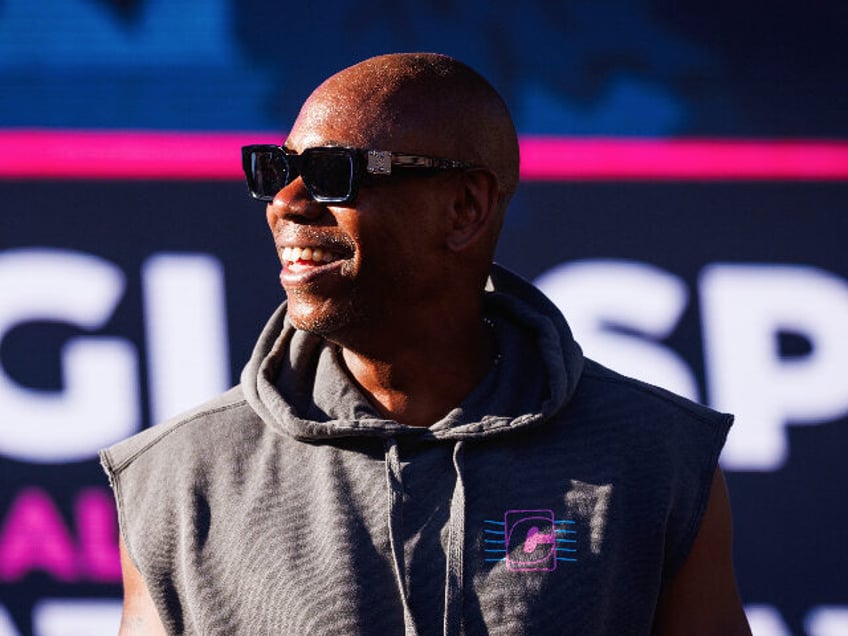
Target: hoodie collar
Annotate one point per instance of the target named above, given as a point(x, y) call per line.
point(296, 384)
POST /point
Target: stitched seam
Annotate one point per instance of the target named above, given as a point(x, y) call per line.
point(684, 546)
point(226, 407)
point(647, 390)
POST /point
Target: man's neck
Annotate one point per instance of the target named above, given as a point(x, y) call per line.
point(419, 379)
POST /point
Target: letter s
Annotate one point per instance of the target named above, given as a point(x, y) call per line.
point(99, 400)
point(619, 312)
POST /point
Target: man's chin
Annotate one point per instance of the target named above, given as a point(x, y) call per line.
point(324, 323)
point(317, 325)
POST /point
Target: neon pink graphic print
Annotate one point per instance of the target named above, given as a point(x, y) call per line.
point(530, 539)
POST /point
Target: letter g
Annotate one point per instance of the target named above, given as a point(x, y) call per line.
point(98, 403)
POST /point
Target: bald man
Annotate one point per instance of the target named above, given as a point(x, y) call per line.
point(417, 445)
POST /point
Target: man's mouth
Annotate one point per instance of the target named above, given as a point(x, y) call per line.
point(294, 258)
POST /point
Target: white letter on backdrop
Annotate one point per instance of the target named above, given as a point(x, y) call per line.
point(186, 329)
point(745, 309)
point(598, 296)
point(98, 403)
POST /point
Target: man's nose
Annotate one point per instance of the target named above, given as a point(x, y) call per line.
point(293, 202)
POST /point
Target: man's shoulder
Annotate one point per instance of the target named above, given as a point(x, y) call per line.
point(640, 400)
point(189, 432)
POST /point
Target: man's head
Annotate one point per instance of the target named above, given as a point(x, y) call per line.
point(422, 103)
point(408, 244)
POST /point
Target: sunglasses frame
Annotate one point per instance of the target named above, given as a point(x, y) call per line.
point(363, 162)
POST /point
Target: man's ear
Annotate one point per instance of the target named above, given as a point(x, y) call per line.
point(475, 209)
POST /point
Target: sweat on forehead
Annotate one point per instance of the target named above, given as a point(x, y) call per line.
point(422, 103)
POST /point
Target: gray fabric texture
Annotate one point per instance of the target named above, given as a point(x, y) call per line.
point(556, 499)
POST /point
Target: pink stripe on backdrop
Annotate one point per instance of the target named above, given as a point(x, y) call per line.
point(586, 159)
point(50, 154)
point(59, 154)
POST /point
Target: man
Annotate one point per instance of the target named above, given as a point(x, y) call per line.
point(418, 445)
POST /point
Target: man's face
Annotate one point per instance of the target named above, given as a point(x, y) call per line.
point(364, 265)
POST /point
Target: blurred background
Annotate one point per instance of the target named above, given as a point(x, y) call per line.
point(685, 172)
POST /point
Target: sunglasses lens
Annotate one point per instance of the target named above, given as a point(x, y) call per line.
point(328, 174)
point(267, 172)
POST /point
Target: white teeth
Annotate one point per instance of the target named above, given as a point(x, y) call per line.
point(314, 254)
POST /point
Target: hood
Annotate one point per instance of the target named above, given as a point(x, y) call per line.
point(295, 383)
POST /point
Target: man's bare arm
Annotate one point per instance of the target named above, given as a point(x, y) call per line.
point(703, 599)
point(139, 615)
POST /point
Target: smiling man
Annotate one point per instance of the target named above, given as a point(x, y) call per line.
point(417, 445)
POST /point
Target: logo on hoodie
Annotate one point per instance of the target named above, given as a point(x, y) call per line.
point(530, 540)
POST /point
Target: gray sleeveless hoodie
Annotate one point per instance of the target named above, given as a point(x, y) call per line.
point(558, 498)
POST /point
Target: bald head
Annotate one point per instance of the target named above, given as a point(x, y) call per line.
point(420, 103)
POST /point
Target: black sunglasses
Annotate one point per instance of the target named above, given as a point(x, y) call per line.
point(331, 174)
